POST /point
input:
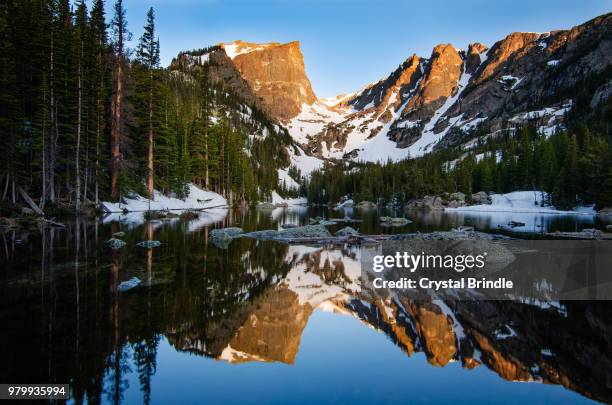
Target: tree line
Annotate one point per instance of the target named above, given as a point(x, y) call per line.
point(574, 166)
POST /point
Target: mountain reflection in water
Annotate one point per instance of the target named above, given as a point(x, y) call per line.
point(65, 320)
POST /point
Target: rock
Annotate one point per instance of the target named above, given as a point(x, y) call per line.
point(308, 231)
point(265, 206)
point(118, 234)
point(276, 74)
point(300, 232)
point(389, 221)
point(458, 196)
point(481, 198)
point(455, 204)
point(515, 224)
point(149, 244)
point(115, 244)
point(129, 284)
point(224, 236)
point(366, 205)
point(268, 234)
point(287, 226)
point(347, 231)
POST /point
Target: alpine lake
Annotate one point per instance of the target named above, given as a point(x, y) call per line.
point(269, 322)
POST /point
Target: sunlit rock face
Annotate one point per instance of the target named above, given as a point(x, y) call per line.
point(439, 83)
point(275, 73)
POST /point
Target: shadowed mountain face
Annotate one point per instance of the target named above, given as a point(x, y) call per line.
point(427, 103)
point(252, 303)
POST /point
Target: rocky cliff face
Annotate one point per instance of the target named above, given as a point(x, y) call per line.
point(275, 73)
point(439, 82)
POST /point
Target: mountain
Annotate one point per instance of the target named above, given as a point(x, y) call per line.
point(427, 103)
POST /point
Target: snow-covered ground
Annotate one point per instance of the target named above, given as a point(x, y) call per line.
point(196, 199)
point(521, 201)
point(277, 199)
point(520, 207)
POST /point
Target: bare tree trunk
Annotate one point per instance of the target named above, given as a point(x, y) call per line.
point(53, 133)
point(78, 140)
point(116, 122)
point(207, 180)
point(150, 149)
point(115, 133)
point(43, 196)
point(97, 166)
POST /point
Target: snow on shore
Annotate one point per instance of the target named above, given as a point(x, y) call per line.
point(522, 201)
point(277, 199)
point(521, 211)
point(196, 199)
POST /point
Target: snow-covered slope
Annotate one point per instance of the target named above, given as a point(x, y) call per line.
point(196, 199)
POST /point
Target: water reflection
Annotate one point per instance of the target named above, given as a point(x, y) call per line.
point(65, 320)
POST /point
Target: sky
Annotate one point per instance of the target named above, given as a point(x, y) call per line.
point(350, 43)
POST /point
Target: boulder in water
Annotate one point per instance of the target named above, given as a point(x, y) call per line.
point(222, 237)
point(390, 221)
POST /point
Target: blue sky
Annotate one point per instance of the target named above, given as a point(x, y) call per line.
point(349, 43)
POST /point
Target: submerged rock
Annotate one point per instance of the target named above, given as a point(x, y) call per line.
point(307, 231)
point(287, 226)
point(390, 221)
point(268, 234)
point(149, 243)
point(224, 236)
point(115, 243)
point(300, 232)
point(129, 284)
point(347, 231)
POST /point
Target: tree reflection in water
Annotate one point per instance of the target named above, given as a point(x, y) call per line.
point(65, 320)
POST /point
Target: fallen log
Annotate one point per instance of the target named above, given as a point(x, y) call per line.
point(30, 202)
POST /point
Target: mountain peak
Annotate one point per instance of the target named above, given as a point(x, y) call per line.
point(276, 74)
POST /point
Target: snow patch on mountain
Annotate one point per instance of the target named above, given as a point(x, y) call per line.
point(238, 48)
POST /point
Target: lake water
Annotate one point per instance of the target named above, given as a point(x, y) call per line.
point(277, 323)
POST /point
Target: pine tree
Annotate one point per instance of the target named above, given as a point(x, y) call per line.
point(120, 36)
